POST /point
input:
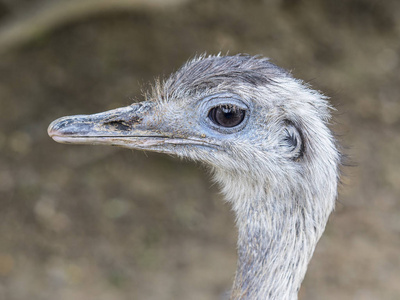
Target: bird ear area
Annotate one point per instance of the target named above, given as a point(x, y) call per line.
point(292, 141)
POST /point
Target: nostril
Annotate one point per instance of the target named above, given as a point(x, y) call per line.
point(118, 125)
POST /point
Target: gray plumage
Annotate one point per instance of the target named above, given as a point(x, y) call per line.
point(263, 133)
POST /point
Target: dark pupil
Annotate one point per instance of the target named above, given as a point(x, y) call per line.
point(227, 116)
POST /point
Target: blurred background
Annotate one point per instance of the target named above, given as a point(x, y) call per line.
point(81, 222)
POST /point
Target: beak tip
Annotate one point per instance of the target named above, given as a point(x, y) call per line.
point(51, 131)
point(57, 127)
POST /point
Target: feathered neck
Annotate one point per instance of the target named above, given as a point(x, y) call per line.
point(278, 232)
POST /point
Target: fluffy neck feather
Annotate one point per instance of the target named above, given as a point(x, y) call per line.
point(278, 231)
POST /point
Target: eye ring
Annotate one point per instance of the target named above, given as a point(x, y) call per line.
point(226, 115)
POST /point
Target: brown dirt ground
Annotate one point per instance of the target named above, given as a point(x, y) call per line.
point(81, 222)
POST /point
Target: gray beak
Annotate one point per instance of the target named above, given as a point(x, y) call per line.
point(132, 127)
point(138, 126)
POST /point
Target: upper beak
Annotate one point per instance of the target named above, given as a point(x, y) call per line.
point(138, 126)
point(132, 126)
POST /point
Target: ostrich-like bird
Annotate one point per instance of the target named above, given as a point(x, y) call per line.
point(263, 133)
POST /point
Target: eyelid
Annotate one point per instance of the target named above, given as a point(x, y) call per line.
point(224, 99)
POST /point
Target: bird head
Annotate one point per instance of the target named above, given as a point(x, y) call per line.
point(240, 114)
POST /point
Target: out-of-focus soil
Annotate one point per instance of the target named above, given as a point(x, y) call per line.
point(81, 222)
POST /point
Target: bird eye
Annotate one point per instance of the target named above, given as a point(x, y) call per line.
point(226, 115)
